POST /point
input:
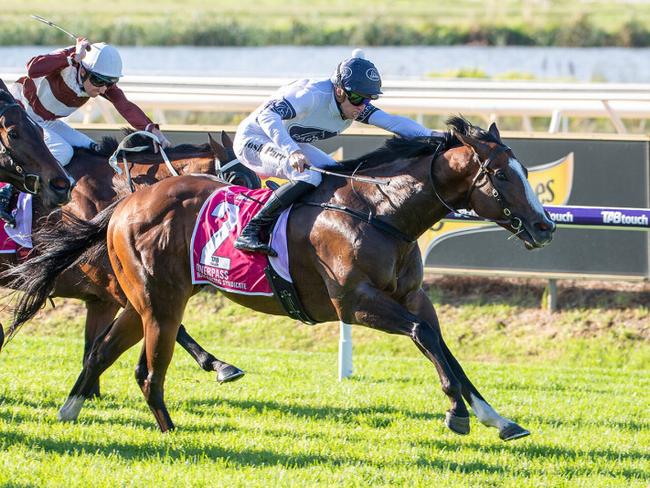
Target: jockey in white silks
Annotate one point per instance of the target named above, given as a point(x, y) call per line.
point(58, 83)
point(275, 140)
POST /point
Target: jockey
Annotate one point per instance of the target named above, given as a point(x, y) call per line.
point(57, 84)
point(275, 140)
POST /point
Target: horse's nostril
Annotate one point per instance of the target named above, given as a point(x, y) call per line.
point(545, 226)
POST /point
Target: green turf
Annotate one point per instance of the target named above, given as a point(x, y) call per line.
point(321, 22)
point(289, 422)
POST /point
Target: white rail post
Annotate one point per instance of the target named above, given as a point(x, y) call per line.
point(551, 295)
point(345, 351)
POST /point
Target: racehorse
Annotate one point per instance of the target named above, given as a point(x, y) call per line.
point(96, 189)
point(27, 163)
point(352, 250)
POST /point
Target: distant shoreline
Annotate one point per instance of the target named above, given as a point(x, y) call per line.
point(403, 62)
point(167, 31)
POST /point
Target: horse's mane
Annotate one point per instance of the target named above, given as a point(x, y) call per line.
point(108, 145)
point(460, 125)
point(400, 148)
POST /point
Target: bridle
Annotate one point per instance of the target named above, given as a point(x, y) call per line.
point(31, 183)
point(487, 173)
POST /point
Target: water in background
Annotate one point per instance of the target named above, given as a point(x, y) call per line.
point(581, 64)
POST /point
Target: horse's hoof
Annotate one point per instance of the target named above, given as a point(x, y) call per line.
point(459, 425)
point(512, 431)
point(229, 373)
point(2, 337)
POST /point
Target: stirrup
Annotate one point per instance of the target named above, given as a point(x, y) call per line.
point(9, 219)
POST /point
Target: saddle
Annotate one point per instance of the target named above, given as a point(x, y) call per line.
point(214, 260)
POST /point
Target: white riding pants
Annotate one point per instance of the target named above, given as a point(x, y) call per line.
point(260, 154)
point(60, 139)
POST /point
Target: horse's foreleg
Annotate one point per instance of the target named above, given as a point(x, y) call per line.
point(120, 335)
point(375, 309)
point(225, 372)
point(98, 314)
point(508, 430)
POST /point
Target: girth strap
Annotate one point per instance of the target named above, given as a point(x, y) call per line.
point(286, 293)
point(367, 218)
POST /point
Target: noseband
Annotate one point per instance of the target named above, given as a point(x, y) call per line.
point(484, 170)
point(30, 183)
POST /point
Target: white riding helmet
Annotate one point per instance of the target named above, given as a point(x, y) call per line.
point(104, 60)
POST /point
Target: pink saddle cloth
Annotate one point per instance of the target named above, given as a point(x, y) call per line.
point(214, 258)
point(7, 244)
point(19, 238)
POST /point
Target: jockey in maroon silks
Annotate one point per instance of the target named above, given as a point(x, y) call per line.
point(57, 84)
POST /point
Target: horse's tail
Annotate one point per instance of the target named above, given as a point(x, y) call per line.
point(60, 246)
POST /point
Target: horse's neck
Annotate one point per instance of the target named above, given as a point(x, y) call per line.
point(408, 202)
point(194, 163)
point(200, 163)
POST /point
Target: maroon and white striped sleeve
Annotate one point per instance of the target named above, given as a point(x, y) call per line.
point(129, 110)
point(45, 64)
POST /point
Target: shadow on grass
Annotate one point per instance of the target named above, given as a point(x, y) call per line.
point(584, 424)
point(338, 414)
point(241, 457)
point(606, 460)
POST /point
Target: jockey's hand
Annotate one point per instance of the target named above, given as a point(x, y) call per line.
point(164, 142)
point(81, 48)
point(298, 161)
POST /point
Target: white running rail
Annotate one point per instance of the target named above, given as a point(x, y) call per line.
point(488, 99)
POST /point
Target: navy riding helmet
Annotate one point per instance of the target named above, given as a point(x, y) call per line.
point(358, 75)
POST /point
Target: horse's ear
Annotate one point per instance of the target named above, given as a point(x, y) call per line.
point(217, 149)
point(494, 131)
point(226, 140)
point(4, 88)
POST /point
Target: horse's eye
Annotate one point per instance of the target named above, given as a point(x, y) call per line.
point(13, 134)
point(500, 175)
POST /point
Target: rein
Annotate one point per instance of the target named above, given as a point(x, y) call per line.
point(121, 147)
point(367, 218)
point(484, 170)
point(30, 182)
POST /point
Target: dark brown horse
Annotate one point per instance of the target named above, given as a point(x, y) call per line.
point(25, 160)
point(97, 188)
point(345, 268)
point(27, 163)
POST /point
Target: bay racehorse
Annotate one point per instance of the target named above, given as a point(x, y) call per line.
point(97, 187)
point(356, 270)
point(27, 162)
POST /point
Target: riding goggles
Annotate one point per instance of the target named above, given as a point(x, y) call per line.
point(101, 80)
point(357, 99)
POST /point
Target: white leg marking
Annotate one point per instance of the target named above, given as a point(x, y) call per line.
point(487, 415)
point(71, 408)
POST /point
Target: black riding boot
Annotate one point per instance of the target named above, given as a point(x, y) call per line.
point(6, 193)
point(281, 199)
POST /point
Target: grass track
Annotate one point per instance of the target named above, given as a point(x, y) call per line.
point(605, 13)
point(321, 22)
point(290, 423)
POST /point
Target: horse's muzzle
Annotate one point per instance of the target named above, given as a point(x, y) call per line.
point(540, 233)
